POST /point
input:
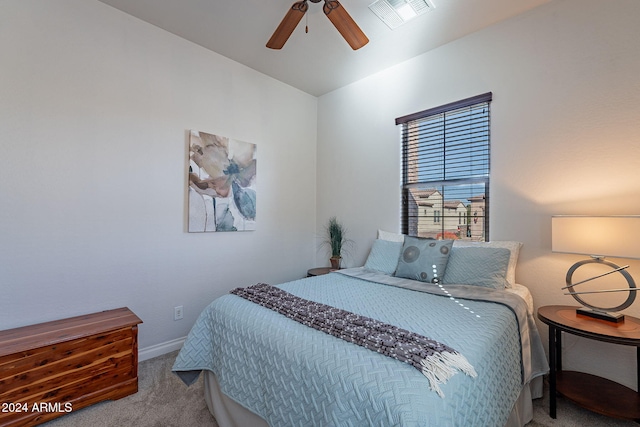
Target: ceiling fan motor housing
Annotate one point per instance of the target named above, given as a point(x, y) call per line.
point(338, 16)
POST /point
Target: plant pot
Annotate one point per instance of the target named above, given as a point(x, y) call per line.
point(335, 262)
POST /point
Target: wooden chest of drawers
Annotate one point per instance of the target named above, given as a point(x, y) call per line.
point(53, 368)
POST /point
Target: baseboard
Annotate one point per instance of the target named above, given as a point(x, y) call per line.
point(160, 349)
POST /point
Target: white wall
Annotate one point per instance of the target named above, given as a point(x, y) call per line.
point(565, 140)
point(95, 107)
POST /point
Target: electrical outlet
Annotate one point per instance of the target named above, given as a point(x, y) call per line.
point(177, 313)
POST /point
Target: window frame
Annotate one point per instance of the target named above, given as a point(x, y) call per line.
point(407, 185)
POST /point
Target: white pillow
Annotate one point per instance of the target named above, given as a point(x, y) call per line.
point(392, 237)
point(514, 248)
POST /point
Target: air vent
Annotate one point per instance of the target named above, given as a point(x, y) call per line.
point(396, 12)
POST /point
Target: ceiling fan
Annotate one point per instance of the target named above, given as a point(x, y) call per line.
point(336, 13)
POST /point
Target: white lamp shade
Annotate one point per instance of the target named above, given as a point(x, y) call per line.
point(614, 236)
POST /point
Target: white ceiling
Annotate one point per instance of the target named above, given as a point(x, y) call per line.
point(319, 61)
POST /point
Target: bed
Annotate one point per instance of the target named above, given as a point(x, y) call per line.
point(263, 368)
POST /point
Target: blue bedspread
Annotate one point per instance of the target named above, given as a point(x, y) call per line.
point(292, 375)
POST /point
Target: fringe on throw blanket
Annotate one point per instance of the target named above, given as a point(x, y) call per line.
point(438, 362)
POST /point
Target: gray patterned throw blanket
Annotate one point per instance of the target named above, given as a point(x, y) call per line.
point(438, 362)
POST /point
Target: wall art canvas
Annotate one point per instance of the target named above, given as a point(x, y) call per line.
point(222, 184)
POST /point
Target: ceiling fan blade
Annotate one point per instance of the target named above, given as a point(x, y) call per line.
point(345, 24)
point(288, 24)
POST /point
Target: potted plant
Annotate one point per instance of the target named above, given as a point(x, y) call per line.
point(336, 240)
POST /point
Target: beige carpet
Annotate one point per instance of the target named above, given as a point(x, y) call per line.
point(164, 401)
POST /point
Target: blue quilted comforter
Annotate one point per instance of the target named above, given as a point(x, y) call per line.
point(292, 375)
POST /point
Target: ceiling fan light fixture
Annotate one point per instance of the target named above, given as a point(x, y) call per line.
point(394, 13)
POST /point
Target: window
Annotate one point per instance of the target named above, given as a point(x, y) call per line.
point(445, 171)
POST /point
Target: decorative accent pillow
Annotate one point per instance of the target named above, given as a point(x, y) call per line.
point(392, 237)
point(423, 259)
point(384, 256)
point(485, 267)
point(514, 248)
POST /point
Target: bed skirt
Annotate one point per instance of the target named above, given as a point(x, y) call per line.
point(229, 413)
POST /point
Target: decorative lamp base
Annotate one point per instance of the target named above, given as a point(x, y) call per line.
point(602, 315)
point(609, 314)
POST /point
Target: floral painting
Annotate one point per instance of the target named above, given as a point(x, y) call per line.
point(222, 183)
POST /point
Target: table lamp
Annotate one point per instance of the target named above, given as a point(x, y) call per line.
point(598, 236)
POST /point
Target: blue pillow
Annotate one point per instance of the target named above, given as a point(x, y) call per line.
point(485, 267)
point(384, 256)
point(423, 259)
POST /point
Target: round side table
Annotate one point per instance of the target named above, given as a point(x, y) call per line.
point(590, 391)
point(319, 271)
